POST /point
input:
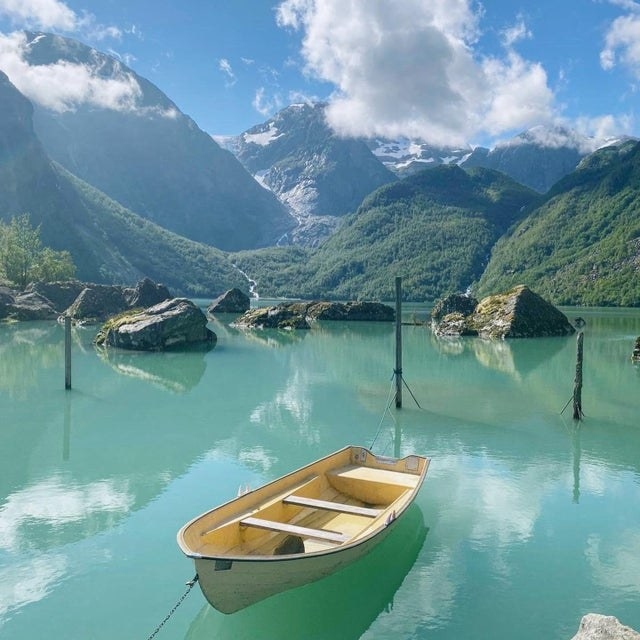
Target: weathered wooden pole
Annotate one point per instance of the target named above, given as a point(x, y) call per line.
point(577, 386)
point(398, 369)
point(67, 352)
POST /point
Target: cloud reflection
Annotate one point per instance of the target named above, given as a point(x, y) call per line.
point(28, 582)
point(53, 503)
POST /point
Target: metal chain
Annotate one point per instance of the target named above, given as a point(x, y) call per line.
point(190, 585)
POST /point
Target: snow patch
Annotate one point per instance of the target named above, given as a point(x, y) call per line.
point(263, 138)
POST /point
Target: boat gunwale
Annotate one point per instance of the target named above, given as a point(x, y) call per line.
point(339, 548)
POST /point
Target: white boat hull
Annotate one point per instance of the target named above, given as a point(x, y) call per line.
point(248, 581)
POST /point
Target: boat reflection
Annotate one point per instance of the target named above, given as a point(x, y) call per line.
point(342, 605)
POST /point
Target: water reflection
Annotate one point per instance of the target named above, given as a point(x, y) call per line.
point(176, 372)
point(54, 512)
point(24, 353)
point(616, 563)
point(341, 606)
point(513, 485)
point(516, 357)
point(29, 581)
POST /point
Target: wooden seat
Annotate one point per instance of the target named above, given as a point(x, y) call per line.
point(305, 532)
point(339, 507)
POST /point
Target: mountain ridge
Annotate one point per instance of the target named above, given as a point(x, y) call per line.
point(153, 159)
point(108, 243)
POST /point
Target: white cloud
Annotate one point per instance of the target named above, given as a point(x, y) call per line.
point(622, 44)
point(39, 14)
point(63, 86)
point(225, 66)
point(518, 94)
point(518, 32)
point(604, 128)
point(409, 69)
point(266, 105)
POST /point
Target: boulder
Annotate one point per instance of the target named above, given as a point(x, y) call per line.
point(297, 315)
point(518, 313)
point(97, 302)
point(459, 303)
point(594, 626)
point(282, 316)
point(232, 301)
point(172, 324)
point(7, 298)
point(350, 311)
point(452, 325)
point(61, 294)
point(31, 306)
point(146, 294)
point(635, 355)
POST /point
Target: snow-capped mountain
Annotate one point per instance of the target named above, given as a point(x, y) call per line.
point(319, 175)
point(405, 156)
point(537, 158)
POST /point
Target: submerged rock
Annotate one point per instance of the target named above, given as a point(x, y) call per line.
point(30, 306)
point(61, 294)
point(635, 355)
point(594, 626)
point(145, 294)
point(232, 301)
point(282, 316)
point(298, 315)
point(97, 302)
point(172, 324)
point(350, 311)
point(517, 313)
point(460, 303)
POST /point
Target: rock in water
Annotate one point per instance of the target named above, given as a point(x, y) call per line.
point(519, 313)
point(172, 324)
point(594, 626)
point(232, 301)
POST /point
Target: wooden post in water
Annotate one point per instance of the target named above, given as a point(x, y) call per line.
point(67, 352)
point(398, 369)
point(577, 386)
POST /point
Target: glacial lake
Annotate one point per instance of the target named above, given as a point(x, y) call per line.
point(526, 521)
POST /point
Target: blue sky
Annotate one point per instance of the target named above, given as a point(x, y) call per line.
point(445, 71)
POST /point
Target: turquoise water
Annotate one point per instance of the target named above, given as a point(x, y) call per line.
point(525, 522)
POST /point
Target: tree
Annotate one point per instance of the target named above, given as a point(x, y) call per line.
point(54, 265)
point(23, 258)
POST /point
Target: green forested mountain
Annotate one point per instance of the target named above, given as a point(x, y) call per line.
point(434, 228)
point(582, 245)
point(153, 159)
point(107, 242)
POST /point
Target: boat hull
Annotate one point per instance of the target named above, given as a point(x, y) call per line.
point(236, 584)
point(301, 527)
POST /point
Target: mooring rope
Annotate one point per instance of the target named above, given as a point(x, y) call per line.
point(190, 585)
point(389, 399)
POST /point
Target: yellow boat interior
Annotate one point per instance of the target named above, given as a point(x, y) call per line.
point(336, 501)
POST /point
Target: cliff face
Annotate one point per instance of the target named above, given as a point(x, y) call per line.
point(23, 163)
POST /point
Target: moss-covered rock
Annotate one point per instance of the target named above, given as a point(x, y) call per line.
point(298, 315)
point(517, 313)
point(173, 324)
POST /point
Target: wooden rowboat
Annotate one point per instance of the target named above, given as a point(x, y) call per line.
point(301, 527)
